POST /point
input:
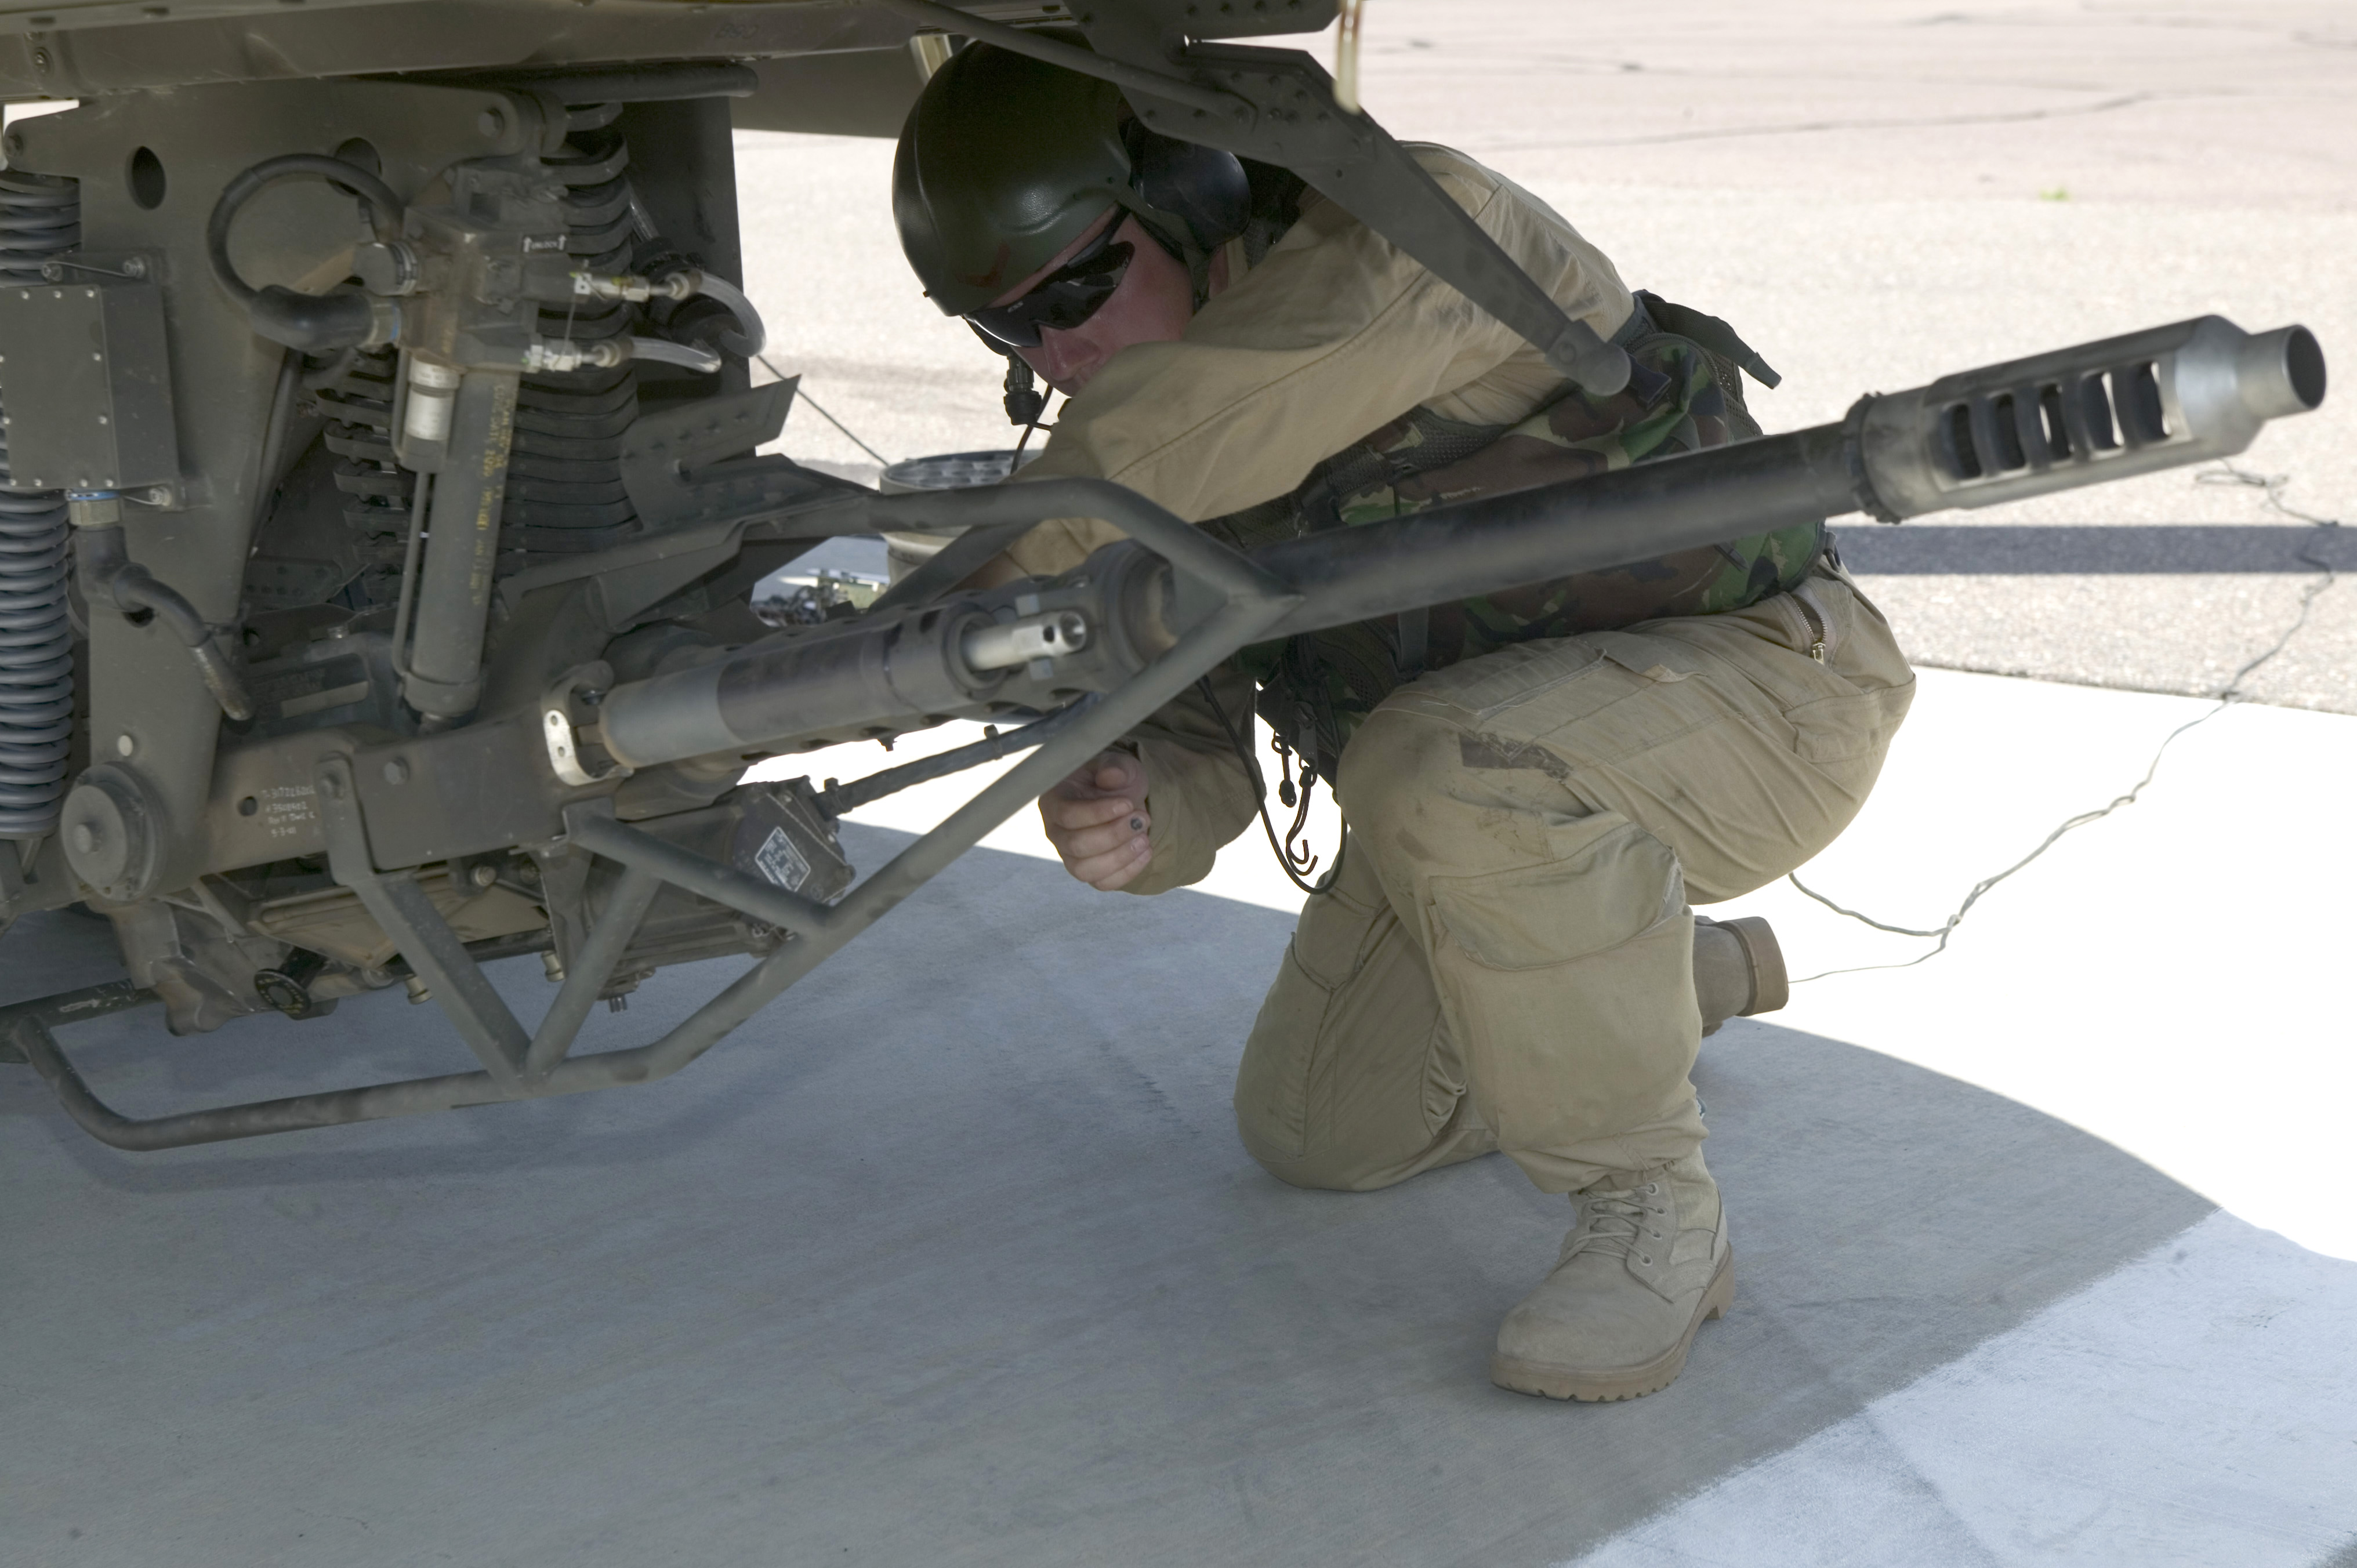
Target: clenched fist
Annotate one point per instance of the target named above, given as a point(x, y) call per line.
point(1097, 820)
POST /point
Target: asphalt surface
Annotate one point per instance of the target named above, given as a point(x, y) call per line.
point(1875, 194)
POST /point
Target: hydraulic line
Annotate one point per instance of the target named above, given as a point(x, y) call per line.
point(41, 216)
point(564, 494)
point(109, 576)
point(312, 323)
point(564, 490)
point(750, 338)
point(687, 356)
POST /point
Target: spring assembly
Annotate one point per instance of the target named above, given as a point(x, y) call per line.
point(41, 218)
point(564, 494)
point(565, 491)
point(564, 480)
point(356, 394)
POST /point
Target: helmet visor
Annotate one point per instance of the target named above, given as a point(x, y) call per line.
point(1064, 299)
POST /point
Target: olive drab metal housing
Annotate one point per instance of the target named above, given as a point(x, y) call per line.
point(381, 511)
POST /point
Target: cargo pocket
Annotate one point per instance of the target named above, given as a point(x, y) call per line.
point(1845, 728)
point(1570, 985)
point(1864, 658)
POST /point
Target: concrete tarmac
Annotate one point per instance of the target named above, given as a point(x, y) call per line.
point(984, 1277)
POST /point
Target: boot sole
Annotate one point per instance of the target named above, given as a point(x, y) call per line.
point(1598, 1386)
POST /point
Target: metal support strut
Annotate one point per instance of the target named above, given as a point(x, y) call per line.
point(520, 1065)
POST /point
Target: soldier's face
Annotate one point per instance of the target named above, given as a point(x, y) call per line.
point(1153, 304)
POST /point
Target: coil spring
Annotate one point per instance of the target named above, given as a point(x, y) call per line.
point(356, 393)
point(564, 477)
point(41, 216)
point(565, 491)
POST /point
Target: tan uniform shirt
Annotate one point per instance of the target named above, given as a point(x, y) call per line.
point(1333, 335)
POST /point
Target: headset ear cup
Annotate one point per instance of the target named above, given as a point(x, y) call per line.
point(1202, 187)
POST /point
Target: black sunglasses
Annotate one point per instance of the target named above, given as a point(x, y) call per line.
point(1064, 299)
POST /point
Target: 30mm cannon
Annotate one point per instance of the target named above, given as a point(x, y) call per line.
point(2190, 393)
point(1097, 650)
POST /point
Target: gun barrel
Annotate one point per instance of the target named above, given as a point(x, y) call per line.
point(1637, 514)
point(2186, 393)
point(2165, 398)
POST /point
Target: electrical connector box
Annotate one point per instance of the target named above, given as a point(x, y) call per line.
point(85, 388)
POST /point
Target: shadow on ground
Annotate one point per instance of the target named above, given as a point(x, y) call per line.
point(1965, 549)
point(951, 1257)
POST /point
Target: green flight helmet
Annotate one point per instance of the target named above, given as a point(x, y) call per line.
point(1004, 161)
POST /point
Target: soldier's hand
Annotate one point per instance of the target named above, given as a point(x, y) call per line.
point(1097, 820)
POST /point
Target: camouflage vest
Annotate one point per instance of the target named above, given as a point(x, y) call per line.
point(1315, 688)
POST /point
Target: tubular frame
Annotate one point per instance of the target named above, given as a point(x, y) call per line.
point(517, 1066)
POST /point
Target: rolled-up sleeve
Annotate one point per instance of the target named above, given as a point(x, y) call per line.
point(1198, 793)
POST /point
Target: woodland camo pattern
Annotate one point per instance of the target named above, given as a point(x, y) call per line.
point(1680, 398)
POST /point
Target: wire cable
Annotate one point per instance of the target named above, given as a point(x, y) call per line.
point(2227, 697)
point(1284, 852)
point(882, 460)
point(1029, 430)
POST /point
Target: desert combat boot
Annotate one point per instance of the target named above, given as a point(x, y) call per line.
point(1645, 1262)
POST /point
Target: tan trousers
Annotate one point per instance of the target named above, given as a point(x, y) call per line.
point(1506, 960)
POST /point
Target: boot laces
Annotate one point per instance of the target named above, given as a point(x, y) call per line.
point(1621, 1222)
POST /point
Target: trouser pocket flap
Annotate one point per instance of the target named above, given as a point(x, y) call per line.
point(1616, 886)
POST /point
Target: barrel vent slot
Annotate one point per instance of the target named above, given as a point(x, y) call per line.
point(1963, 460)
point(2004, 420)
point(2057, 429)
point(2135, 393)
point(2095, 406)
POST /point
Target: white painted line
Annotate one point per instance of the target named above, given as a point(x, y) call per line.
point(2194, 1408)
